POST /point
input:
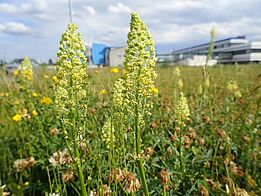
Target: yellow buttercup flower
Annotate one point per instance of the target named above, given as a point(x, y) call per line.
point(115, 70)
point(154, 90)
point(15, 72)
point(46, 100)
point(17, 118)
point(103, 92)
point(35, 113)
point(34, 94)
point(55, 79)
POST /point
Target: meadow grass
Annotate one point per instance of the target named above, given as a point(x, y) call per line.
point(219, 147)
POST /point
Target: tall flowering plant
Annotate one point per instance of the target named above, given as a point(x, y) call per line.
point(70, 92)
point(134, 90)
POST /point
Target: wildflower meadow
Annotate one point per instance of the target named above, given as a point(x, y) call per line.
point(140, 129)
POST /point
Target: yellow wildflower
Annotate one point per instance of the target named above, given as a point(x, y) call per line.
point(55, 79)
point(238, 94)
point(154, 90)
point(15, 72)
point(97, 71)
point(232, 86)
point(26, 183)
point(115, 70)
point(34, 94)
point(34, 112)
point(17, 118)
point(46, 100)
point(103, 92)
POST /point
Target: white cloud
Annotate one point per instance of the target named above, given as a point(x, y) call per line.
point(178, 23)
point(90, 10)
point(14, 28)
point(34, 6)
point(119, 8)
point(8, 8)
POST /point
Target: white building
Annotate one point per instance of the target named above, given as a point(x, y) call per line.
point(230, 50)
point(115, 56)
point(197, 60)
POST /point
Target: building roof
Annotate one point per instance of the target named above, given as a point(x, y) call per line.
point(206, 44)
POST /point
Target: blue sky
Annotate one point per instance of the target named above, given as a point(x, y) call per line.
point(34, 27)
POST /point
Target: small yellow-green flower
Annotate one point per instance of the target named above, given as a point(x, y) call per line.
point(46, 100)
point(15, 72)
point(180, 84)
point(115, 70)
point(181, 110)
point(232, 86)
point(207, 82)
point(176, 72)
point(103, 92)
point(34, 94)
point(26, 183)
point(237, 94)
point(17, 118)
point(35, 113)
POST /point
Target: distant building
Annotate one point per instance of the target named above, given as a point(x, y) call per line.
point(98, 52)
point(197, 60)
point(165, 58)
point(115, 56)
point(230, 50)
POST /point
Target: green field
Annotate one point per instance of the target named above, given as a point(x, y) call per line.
point(216, 152)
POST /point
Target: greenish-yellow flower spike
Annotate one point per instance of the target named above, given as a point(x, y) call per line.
point(181, 110)
point(108, 134)
point(26, 69)
point(141, 49)
point(138, 71)
point(71, 70)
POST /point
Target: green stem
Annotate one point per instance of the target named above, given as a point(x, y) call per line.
point(78, 159)
point(138, 151)
point(164, 190)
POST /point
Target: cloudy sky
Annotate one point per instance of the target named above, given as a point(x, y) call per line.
point(34, 27)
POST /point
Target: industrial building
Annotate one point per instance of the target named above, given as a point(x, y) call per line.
point(231, 50)
point(115, 56)
point(103, 55)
